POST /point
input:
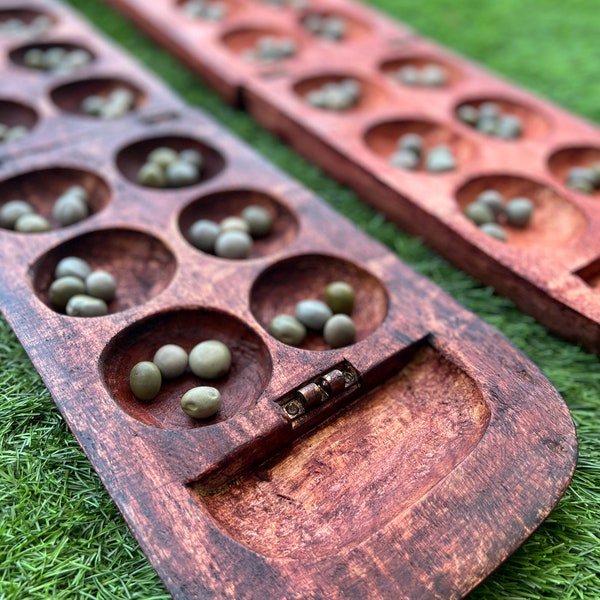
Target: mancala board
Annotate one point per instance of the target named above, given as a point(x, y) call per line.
point(550, 269)
point(408, 464)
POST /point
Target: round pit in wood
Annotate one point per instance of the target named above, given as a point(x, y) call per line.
point(240, 388)
point(19, 55)
point(371, 95)
point(382, 139)
point(418, 66)
point(14, 114)
point(43, 187)
point(278, 289)
point(27, 19)
point(69, 97)
point(142, 265)
point(218, 206)
point(244, 41)
point(353, 28)
point(555, 222)
point(562, 161)
point(131, 158)
point(533, 124)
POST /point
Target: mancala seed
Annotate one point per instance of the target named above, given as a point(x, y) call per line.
point(440, 159)
point(493, 199)
point(233, 245)
point(172, 360)
point(468, 114)
point(259, 220)
point(63, 289)
point(234, 224)
point(151, 175)
point(519, 212)
point(180, 173)
point(70, 209)
point(203, 234)
point(339, 331)
point(433, 76)
point(494, 231)
point(83, 305)
point(479, 213)
point(404, 159)
point(101, 284)
point(312, 313)
point(339, 296)
point(201, 402)
point(12, 210)
point(162, 156)
point(192, 156)
point(72, 265)
point(15, 133)
point(287, 329)
point(210, 359)
point(145, 380)
point(32, 223)
point(412, 142)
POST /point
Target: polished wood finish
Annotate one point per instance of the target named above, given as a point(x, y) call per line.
point(409, 464)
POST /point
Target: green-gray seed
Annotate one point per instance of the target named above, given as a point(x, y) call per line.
point(233, 245)
point(519, 212)
point(70, 209)
point(234, 224)
point(259, 220)
point(83, 305)
point(339, 296)
point(162, 156)
point(12, 210)
point(479, 213)
point(493, 199)
point(32, 223)
point(152, 175)
point(72, 265)
point(312, 313)
point(210, 359)
point(63, 289)
point(172, 360)
point(145, 380)
point(181, 173)
point(201, 402)
point(494, 230)
point(203, 234)
point(287, 329)
point(101, 284)
point(339, 331)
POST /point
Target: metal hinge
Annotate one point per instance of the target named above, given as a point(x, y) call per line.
point(341, 380)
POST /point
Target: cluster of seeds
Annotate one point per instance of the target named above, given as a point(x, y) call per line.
point(410, 153)
point(169, 168)
point(327, 27)
point(428, 75)
point(234, 236)
point(80, 292)
point(117, 103)
point(489, 118)
point(270, 49)
point(489, 211)
point(335, 95)
point(331, 318)
point(11, 134)
point(203, 9)
point(210, 359)
point(16, 26)
point(584, 179)
point(70, 207)
point(56, 59)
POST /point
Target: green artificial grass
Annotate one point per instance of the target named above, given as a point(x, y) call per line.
point(61, 537)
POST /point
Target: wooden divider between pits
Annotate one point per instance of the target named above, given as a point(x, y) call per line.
point(49, 103)
point(550, 270)
point(462, 446)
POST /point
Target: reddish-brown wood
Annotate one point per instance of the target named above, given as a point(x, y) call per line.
point(440, 451)
point(549, 270)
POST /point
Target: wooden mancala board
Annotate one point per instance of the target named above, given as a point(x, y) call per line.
point(550, 269)
point(408, 464)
